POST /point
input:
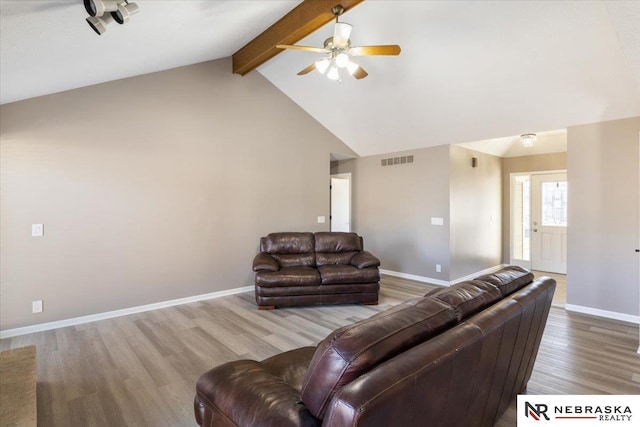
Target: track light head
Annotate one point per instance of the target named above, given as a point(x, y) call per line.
point(99, 24)
point(100, 7)
point(124, 12)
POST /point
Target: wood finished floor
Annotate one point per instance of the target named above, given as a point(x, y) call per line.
point(560, 295)
point(140, 370)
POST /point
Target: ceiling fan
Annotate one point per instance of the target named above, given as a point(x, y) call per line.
point(339, 52)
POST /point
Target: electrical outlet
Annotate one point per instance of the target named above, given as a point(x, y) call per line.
point(438, 268)
point(36, 306)
point(37, 230)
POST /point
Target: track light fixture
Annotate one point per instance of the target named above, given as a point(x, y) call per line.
point(99, 24)
point(124, 11)
point(102, 12)
point(99, 7)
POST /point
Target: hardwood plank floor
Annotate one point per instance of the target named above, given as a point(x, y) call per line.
point(560, 295)
point(141, 369)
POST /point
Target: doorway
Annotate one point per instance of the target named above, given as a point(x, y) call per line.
point(340, 189)
point(539, 221)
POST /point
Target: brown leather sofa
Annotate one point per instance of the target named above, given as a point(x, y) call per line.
point(455, 357)
point(321, 268)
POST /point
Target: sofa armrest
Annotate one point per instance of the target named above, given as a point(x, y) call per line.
point(264, 261)
point(246, 393)
point(365, 259)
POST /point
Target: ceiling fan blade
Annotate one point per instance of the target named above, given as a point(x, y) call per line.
point(341, 34)
point(360, 73)
point(388, 49)
point(305, 48)
point(308, 69)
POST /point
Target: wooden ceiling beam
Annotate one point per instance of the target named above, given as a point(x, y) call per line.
point(304, 19)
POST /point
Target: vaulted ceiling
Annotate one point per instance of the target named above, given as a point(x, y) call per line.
point(468, 71)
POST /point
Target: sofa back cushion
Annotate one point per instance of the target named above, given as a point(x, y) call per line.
point(290, 249)
point(356, 349)
point(336, 247)
point(467, 298)
point(509, 279)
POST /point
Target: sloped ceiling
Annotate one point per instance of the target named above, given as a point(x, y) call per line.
point(468, 71)
point(46, 46)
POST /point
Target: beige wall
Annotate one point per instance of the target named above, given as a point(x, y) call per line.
point(151, 188)
point(602, 269)
point(475, 212)
point(393, 207)
point(537, 163)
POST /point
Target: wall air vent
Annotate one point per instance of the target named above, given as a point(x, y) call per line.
point(391, 161)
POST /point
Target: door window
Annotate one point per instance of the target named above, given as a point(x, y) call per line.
point(554, 204)
point(520, 225)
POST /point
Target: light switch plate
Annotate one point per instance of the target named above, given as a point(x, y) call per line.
point(437, 221)
point(321, 219)
point(36, 306)
point(37, 230)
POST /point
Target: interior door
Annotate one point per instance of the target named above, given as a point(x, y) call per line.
point(549, 222)
point(340, 203)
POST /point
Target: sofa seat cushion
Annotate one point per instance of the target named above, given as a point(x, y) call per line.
point(509, 279)
point(347, 274)
point(289, 276)
point(467, 298)
point(356, 349)
point(328, 258)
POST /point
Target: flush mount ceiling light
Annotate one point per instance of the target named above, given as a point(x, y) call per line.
point(527, 139)
point(102, 12)
point(339, 52)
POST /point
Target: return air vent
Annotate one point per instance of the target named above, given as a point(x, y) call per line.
point(391, 161)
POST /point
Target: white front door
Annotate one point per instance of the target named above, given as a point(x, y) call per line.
point(549, 222)
point(341, 202)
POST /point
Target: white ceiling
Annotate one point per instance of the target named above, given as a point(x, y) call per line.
point(468, 71)
point(46, 46)
point(554, 141)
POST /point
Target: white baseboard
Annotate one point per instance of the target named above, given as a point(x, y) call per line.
point(414, 277)
point(438, 281)
point(603, 313)
point(8, 333)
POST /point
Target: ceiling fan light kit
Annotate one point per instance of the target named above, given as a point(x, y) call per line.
point(103, 12)
point(339, 52)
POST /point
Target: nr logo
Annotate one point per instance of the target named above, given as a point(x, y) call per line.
point(536, 411)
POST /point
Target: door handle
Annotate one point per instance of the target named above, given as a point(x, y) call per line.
point(535, 230)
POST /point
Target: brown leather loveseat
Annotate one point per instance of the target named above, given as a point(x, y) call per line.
point(455, 357)
point(321, 268)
